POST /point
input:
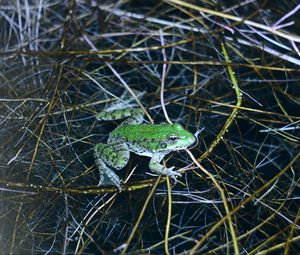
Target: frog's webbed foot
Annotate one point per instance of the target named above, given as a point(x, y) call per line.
point(162, 170)
point(108, 177)
point(173, 174)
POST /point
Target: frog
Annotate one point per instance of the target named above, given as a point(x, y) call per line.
point(145, 139)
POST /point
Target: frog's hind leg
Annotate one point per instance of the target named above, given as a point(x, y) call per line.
point(136, 116)
point(107, 175)
point(108, 156)
point(133, 115)
point(113, 155)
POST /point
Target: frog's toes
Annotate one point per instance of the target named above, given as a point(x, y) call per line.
point(173, 174)
point(108, 177)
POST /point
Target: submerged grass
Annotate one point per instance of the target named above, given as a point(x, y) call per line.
point(231, 69)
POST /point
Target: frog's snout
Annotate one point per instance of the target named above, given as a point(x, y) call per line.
point(192, 141)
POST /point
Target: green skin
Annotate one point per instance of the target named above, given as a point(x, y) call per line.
point(151, 140)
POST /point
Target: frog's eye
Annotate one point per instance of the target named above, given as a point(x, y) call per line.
point(163, 145)
point(173, 138)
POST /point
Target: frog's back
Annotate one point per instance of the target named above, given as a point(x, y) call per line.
point(152, 138)
point(143, 132)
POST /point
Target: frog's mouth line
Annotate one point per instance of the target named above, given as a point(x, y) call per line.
point(194, 144)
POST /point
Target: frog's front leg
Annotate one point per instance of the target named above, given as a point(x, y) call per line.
point(157, 168)
point(115, 156)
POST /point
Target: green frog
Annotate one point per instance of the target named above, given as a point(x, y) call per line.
point(132, 135)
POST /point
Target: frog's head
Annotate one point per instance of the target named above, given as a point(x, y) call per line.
point(177, 138)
